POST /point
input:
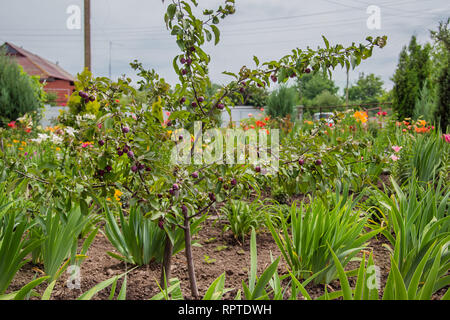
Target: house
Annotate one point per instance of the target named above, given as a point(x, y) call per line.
point(54, 78)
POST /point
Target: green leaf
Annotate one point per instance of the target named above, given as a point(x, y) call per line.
point(48, 291)
point(216, 32)
point(255, 58)
point(171, 10)
point(346, 289)
point(22, 293)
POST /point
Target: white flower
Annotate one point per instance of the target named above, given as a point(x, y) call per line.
point(56, 139)
point(41, 137)
point(89, 116)
point(71, 131)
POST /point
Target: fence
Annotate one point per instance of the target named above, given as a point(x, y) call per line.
point(371, 108)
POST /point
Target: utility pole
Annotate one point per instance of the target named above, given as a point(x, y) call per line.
point(87, 34)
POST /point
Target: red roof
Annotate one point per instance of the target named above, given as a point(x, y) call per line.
point(35, 65)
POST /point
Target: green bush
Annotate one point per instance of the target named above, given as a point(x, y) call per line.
point(326, 99)
point(426, 156)
point(281, 102)
point(242, 217)
point(304, 240)
point(138, 239)
point(418, 222)
point(19, 93)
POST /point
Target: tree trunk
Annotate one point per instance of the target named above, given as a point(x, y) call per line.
point(190, 260)
point(167, 262)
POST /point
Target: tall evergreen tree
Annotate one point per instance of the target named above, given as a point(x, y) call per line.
point(412, 71)
point(442, 39)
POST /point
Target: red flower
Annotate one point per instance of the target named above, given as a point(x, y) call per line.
point(12, 124)
point(260, 124)
point(28, 130)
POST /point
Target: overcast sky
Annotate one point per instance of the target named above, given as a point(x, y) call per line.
point(266, 28)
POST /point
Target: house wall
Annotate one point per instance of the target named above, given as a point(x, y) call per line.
point(63, 88)
point(238, 113)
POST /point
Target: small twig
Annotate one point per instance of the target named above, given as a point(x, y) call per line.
point(31, 177)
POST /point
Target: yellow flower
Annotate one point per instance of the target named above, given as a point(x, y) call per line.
point(16, 141)
point(24, 143)
point(309, 122)
point(9, 145)
point(21, 149)
point(58, 149)
point(361, 116)
point(117, 194)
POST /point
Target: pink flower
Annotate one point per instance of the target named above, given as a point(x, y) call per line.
point(396, 148)
point(447, 137)
point(99, 125)
point(394, 157)
point(250, 115)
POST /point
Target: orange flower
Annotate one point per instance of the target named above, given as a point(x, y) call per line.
point(421, 123)
point(421, 129)
point(361, 116)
